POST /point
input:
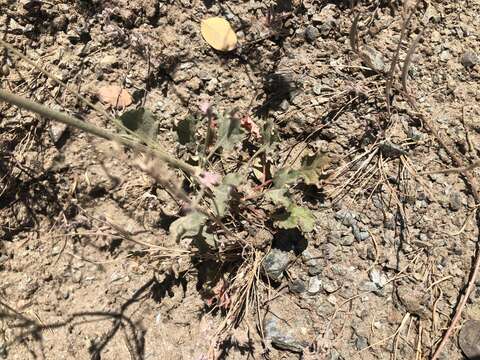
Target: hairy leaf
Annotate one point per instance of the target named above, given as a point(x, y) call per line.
point(279, 197)
point(313, 167)
point(311, 171)
point(284, 177)
point(186, 130)
point(297, 217)
point(142, 122)
point(188, 226)
point(230, 133)
point(222, 193)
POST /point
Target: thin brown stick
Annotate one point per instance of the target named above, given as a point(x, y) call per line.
point(388, 86)
point(462, 303)
point(354, 33)
point(462, 169)
point(64, 118)
point(406, 65)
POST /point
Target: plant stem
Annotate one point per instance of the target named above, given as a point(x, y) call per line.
point(64, 118)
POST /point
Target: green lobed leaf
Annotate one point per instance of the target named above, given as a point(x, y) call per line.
point(187, 226)
point(313, 167)
point(297, 217)
point(284, 177)
point(222, 193)
point(142, 122)
point(311, 171)
point(279, 197)
point(186, 130)
point(230, 132)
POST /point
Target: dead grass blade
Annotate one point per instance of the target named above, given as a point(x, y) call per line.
point(406, 65)
point(353, 36)
point(388, 86)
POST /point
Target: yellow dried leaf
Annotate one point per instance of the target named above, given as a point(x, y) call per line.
point(218, 33)
point(114, 96)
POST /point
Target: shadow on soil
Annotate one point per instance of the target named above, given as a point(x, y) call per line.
point(133, 332)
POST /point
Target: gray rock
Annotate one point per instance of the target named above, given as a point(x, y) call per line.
point(275, 263)
point(211, 86)
point(297, 286)
point(311, 260)
point(311, 33)
point(57, 130)
point(361, 343)
point(325, 20)
point(359, 234)
point(391, 150)
point(378, 278)
point(347, 240)
point(455, 201)
point(282, 335)
point(327, 26)
point(373, 59)
point(314, 285)
point(346, 217)
point(368, 286)
point(445, 56)
point(284, 105)
point(469, 339)
point(317, 89)
point(413, 300)
point(330, 286)
point(77, 276)
point(469, 59)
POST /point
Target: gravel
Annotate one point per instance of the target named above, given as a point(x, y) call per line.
point(275, 263)
point(469, 59)
point(282, 335)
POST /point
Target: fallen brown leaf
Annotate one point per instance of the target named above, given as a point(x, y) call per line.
point(115, 96)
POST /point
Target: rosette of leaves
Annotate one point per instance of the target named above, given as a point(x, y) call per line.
point(195, 225)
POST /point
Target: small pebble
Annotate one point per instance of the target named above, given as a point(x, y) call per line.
point(469, 59)
point(314, 285)
point(311, 33)
point(361, 343)
point(469, 339)
point(282, 335)
point(330, 286)
point(455, 201)
point(317, 89)
point(378, 278)
point(275, 263)
point(346, 217)
point(368, 286)
point(284, 105)
point(373, 59)
point(77, 277)
point(297, 286)
point(347, 240)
